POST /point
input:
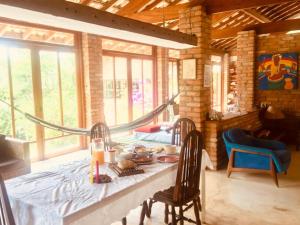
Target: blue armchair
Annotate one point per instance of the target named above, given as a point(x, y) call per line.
point(250, 154)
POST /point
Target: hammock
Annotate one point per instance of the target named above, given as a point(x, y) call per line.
point(144, 120)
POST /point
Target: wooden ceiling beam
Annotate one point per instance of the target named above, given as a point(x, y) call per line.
point(256, 15)
point(171, 13)
point(157, 15)
point(108, 4)
point(218, 17)
point(151, 5)
point(262, 28)
point(217, 6)
point(132, 7)
point(59, 12)
point(85, 2)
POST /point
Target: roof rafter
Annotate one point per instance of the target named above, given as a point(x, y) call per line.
point(256, 15)
point(217, 6)
point(262, 28)
point(132, 7)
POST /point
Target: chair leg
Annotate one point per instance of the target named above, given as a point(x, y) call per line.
point(150, 206)
point(230, 164)
point(198, 221)
point(166, 213)
point(124, 221)
point(274, 173)
point(199, 204)
point(143, 213)
point(181, 215)
point(173, 216)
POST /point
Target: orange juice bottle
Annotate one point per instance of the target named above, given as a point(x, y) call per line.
point(98, 151)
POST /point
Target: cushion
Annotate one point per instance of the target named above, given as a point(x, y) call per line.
point(148, 129)
point(238, 136)
point(283, 155)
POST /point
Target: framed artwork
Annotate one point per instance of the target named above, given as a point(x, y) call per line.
point(189, 69)
point(278, 71)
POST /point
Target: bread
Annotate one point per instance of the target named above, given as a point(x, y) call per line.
point(126, 164)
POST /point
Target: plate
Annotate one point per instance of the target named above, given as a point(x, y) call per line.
point(142, 160)
point(168, 159)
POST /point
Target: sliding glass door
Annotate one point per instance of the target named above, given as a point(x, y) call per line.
point(43, 83)
point(58, 78)
point(142, 87)
point(128, 88)
point(115, 89)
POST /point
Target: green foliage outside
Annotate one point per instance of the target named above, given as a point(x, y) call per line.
point(20, 64)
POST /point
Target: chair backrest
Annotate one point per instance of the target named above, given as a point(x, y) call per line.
point(180, 129)
point(6, 216)
point(101, 130)
point(189, 167)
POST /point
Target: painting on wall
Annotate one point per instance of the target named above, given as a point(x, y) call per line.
point(278, 71)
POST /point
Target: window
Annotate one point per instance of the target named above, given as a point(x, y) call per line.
point(217, 90)
point(174, 56)
point(39, 79)
point(128, 81)
point(173, 78)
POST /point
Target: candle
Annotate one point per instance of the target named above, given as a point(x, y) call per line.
point(97, 172)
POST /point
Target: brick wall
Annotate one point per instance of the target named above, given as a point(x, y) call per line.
point(195, 99)
point(245, 69)
point(288, 100)
point(213, 135)
point(92, 67)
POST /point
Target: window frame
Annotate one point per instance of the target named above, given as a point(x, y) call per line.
point(34, 47)
point(130, 57)
point(221, 64)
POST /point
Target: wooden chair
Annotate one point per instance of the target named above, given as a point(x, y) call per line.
point(101, 130)
point(180, 129)
point(6, 216)
point(185, 194)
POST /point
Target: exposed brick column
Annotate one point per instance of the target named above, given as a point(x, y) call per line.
point(162, 78)
point(195, 99)
point(92, 67)
point(245, 69)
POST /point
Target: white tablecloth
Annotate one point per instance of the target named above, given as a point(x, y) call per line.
point(63, 195)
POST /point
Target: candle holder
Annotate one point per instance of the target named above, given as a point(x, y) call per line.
point(102, 179)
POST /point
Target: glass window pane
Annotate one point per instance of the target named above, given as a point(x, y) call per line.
point(5, 111)
point(137, 88)
point(148, 85)
point(108, 90)
point(50, 89)
point(22, 91)
point(121, 90)
point(68, 88)
point(62, 144)
point(217, 89)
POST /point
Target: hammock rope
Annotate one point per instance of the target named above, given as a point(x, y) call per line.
point(142, 121)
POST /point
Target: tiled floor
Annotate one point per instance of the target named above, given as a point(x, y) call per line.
point(245, 199)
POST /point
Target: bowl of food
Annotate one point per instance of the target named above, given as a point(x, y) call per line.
point(170, 149)
point(142, 151)
point(125, 155)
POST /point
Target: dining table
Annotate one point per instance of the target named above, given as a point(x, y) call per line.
point(63, 195)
